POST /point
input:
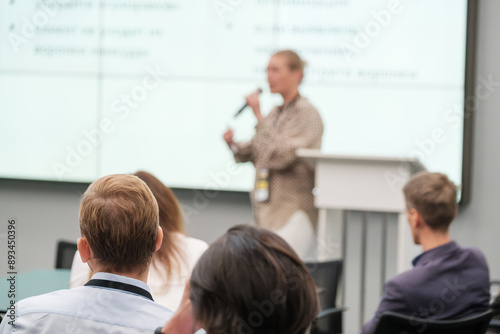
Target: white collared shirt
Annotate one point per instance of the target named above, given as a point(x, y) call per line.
point(89, 309)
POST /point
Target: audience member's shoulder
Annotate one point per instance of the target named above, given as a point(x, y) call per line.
point(402, 280)
point(407, 279)
point(197, 245)
point(134, 312)
point(475, 253)
point(193, 244)
point(60, 300)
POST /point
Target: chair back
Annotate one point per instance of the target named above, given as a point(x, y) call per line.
point(65, 254)
point(327, 275)
point(395, 323)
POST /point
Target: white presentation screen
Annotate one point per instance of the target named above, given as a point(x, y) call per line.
point(89, 88)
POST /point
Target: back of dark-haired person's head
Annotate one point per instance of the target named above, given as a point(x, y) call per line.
point(251, 281)
point(119, 218)
point(434, 197)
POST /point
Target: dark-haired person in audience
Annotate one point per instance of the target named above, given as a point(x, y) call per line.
point(447, 281)
point(248, 281)
point(173, 262)
point(119, 234)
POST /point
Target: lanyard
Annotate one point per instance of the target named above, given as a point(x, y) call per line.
point(119, 286)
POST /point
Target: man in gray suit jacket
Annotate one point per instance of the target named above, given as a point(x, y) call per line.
point(447, 281)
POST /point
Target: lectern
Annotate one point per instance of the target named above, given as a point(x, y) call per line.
point(371, 184)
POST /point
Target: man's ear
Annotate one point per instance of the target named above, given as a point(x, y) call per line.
point(84, 249)
point(418, 221)
point(413, 217)
point(160, 238)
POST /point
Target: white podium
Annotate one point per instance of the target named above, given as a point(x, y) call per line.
point(370, 184)
point(366, 184)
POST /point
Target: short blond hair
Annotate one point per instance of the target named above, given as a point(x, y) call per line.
point(434, 196)
point(293, 60)
point(119, 218)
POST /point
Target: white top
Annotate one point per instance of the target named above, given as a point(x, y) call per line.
point(89, 309)
point(171, 295)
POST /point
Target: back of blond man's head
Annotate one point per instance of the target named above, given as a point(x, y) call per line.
point(119, 218)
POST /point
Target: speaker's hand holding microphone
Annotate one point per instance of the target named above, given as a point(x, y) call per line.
point(252, 100)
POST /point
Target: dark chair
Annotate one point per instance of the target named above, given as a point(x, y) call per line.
point(65, 254)
point(494, 326)
point(395, 323)
point(495, 305)
point(326, 275)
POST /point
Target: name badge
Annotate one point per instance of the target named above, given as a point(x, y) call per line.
point(261, 193)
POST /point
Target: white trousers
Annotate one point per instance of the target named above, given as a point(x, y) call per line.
point(299, 233)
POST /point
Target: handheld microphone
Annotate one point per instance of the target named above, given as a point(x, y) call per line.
point(245, 105)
